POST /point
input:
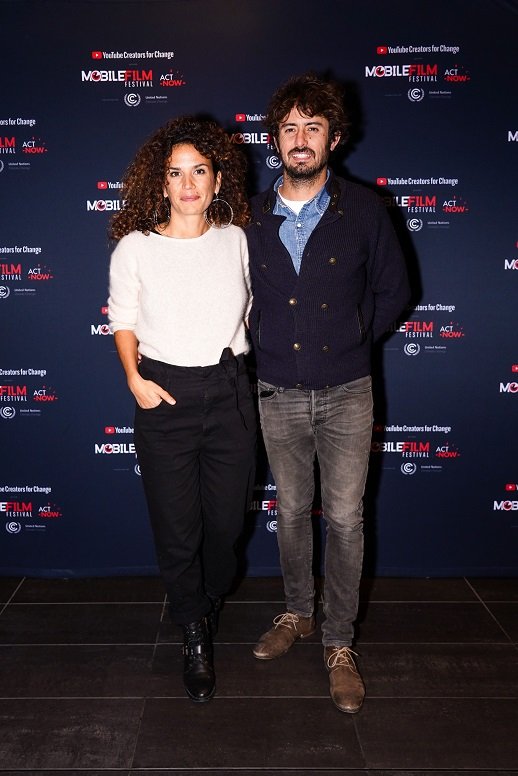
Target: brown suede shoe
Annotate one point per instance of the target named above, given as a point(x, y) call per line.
point(345, 683)
point(287, 628)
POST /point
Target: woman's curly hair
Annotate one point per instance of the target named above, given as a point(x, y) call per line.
point(143, 182)
point(313, 96)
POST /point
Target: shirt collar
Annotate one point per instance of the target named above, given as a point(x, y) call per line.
point(320, 200)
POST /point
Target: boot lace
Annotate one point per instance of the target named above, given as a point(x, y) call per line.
point(288, 620)
point(342, 657)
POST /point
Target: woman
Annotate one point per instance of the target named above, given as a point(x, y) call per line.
point(179, 298)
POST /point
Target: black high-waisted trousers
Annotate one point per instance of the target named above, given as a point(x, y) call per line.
point(197, 460)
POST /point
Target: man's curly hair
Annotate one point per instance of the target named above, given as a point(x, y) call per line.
point(313, 97)
point(143, 182)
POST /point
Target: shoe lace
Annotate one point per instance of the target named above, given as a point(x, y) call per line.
point(342, 656)
point(288, 619)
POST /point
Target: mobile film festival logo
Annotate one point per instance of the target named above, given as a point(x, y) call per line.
point(130, 78)
point(115, 448)
point(7, 145)
point(511, 387)
point(250, 138)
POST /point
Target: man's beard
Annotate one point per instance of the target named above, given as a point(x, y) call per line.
point(304, 172)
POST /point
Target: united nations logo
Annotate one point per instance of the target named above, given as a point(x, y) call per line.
point(273, 162)
point(415, 95)
point(132, 99)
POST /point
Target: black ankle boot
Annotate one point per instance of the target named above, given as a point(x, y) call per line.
point(198, 672)
point(213, 615)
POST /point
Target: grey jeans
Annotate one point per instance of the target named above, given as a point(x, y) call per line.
point(335, 424)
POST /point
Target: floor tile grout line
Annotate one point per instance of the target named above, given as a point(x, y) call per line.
point(359, 742)
point(228, 602)
point(369, 601)
point(8, 602)
point(87, 603)
point(137, 732)
point(129, 644)
point(159, 627)
point(317, 696)
point(493, 616)
point(475, 593)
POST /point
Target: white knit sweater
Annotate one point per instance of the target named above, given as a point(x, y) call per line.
point(185, 299)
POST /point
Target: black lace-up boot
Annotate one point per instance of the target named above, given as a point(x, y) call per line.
point(198, 673)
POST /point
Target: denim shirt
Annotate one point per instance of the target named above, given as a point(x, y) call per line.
point(296, 229)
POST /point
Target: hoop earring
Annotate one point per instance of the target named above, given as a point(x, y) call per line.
point(216, 202)
point(156, 215)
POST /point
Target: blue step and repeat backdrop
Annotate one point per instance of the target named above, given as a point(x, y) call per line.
point(431, 88)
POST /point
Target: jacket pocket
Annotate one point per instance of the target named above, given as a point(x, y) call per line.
point(258, 329)
point(361, 324)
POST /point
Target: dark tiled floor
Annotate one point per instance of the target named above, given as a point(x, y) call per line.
point(90, 683)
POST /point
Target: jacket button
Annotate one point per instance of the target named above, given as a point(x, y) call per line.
point(325, 348)
point(332, 260)
point(263, 267)
point(324, 306)
point(292, 301)
point(297, 346)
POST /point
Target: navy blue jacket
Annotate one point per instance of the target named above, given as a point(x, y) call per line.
point(315, 329)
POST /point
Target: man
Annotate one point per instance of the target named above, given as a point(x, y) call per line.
point(328, 279)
